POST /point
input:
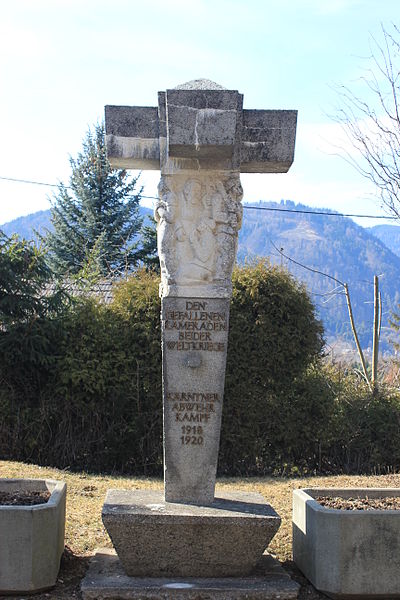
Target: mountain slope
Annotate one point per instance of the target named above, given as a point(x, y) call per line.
point(327, 243)
point(27, 225)
point(331, 244)
point(389, 235)
point(40, 221)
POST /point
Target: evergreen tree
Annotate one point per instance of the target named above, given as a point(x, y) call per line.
point(26, 291)
point(96, 218)
point(149, 245)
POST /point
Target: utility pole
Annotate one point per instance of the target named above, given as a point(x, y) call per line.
point(375, 342)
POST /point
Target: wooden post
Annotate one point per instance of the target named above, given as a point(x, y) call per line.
point(357, 341)
point(375, 342)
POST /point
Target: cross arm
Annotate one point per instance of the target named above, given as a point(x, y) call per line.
point(202, 130)
point(268, 139)
point(132, 137)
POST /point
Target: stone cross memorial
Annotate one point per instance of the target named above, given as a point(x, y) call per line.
point(201, 139)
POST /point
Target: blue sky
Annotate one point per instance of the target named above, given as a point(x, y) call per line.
point(61, 61)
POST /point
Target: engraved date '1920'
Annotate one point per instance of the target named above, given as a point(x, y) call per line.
point(192, 435)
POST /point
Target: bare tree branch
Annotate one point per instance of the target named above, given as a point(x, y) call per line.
point(349, 309)
point(373, 126)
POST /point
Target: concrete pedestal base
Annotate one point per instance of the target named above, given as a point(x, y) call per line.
point(106, 580)
point(154, 538)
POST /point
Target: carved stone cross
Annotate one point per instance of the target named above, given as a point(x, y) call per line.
point(201, 139)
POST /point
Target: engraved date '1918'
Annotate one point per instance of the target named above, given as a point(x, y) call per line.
point(192, 435)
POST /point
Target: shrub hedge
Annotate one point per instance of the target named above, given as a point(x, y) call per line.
point(82, 389)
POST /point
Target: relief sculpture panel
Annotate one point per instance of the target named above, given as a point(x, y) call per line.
point(198, 219)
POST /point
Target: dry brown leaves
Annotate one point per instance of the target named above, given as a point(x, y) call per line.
point(23, 498)
point(384, 503)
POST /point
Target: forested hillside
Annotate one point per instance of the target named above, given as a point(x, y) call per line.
point(328, 243)
point(331, 244)
point(28, 225)
point(39, 222)
point(389, 235)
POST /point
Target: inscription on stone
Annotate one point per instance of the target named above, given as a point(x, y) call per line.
point(194, 330)
point(193, 407)
point(195, 327)
point(195, 333)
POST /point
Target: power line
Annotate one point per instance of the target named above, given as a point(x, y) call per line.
point(28, 181)
point(246, 206)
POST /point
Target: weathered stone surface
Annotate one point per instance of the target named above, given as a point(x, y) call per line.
point(154, 538)
point(198, 218)
point(132, 136)
point(347, 554)
point(199, 98)
point(106, 580)
point(201, 133)
point(122, 121)
point(202, 123)
point(199, 137)
point(268, 138)
point(194, 345)
point(200, 126)
point(202, 129)
point(199, 84)
point(31, 537)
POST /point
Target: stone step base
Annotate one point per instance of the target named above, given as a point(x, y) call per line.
point(106, 580)
point(155, 538)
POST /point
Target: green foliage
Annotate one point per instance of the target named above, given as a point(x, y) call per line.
point(365, 433)
point(274, 337)
point(94, 403)
point(105, 380)
point(395, 325)
point(273, 327)
point(30, 313)
point(29, 309)
point(149, 245)
point(95, 219)
point(24, 275)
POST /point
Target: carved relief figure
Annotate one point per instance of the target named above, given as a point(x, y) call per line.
point(223, 231)
point(165, 214)
point(195, 234)
point(197, 225)
point(227, 212)
point(234, 191)
point(202, 237)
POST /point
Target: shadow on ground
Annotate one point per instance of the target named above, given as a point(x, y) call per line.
point(307, 591)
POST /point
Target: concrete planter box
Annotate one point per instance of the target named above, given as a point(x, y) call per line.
point(31, 537)
point(347, 554)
